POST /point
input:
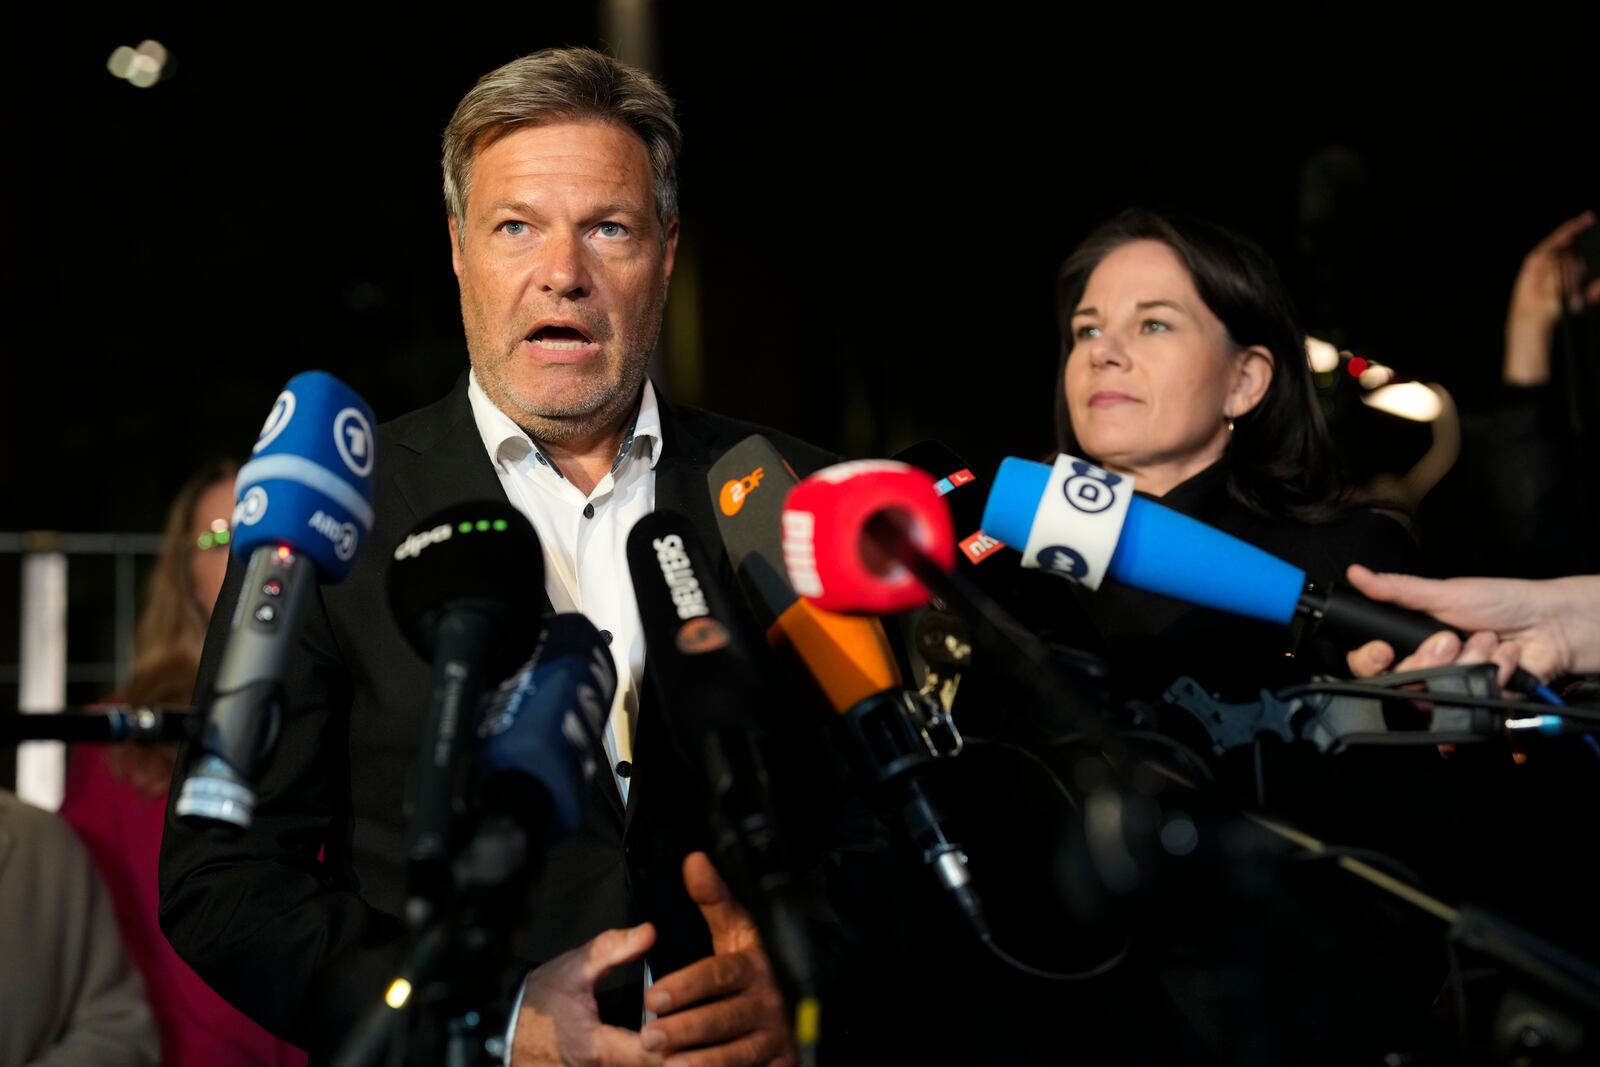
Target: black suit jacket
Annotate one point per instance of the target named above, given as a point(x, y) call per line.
point(292, 939)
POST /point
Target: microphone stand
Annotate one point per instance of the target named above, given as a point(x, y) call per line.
point(463, 895)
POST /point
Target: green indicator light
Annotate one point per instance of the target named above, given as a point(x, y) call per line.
point(465, 527)
point(500, 525)
point(204, 541)
point(221, 537)
point(483, 524)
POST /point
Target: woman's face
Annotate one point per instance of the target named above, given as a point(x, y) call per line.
point(207, 565)
point(1152, 375)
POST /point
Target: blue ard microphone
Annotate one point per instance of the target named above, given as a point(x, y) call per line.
point(1085, 524)
point(303, 507)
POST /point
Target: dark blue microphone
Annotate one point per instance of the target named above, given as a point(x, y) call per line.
point(303, 507)
point(539, 742)
point(1085, 523)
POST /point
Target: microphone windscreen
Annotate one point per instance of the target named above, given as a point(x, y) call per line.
point(700, 660)
point(481, 555)
point(831, 554)
point(1069, 515)
point(1013, 501)
point(1164, 551)
point(308, 483)
point(544, 722)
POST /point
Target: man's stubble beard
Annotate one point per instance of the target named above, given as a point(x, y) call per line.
point(600, 406)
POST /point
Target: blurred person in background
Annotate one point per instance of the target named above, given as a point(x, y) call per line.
point(116, 796)
point(69, 996)
point(1538, 445)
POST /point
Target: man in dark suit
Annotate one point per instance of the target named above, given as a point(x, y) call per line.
point(560, 180)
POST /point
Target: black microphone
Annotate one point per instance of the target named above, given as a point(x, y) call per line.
point(463, 586)
point(706, 677)
point(538, 746)
point(141, 724)
point(304, 503)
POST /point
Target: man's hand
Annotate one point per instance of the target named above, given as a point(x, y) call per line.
point(725, 1010)
point(560, 1023)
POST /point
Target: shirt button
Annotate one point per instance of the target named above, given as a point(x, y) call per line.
point(624, 769)
point(605, 635)
point(540, 457)
point(588, 511)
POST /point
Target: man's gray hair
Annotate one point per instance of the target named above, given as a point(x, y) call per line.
point(562, 85)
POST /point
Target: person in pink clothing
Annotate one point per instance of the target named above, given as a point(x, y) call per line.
point(116, 797)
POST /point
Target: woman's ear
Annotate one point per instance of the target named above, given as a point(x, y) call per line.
point(1252, 374)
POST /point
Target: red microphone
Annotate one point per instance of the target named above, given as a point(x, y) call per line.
point(862, 537)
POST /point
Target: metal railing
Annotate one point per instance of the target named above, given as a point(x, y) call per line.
point(43, 670)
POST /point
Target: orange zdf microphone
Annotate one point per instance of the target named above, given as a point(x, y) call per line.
point(891, 727)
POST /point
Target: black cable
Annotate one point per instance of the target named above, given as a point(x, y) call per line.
point(1006, 746)
point(1103, 967)
point(1037, 972)
point(1523, 707)
point(1400, 739)
point(1177, 746)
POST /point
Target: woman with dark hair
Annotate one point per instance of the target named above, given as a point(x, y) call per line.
point(1183, 368)
point(116, 796)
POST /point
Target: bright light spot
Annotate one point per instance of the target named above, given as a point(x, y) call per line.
point(1356, 367)
point(1375, 375)
point(218, 525)
point(1322, 356)
point(398, 993)
point(143, 71)
point(1408, 400)
point(120, 61)
point(141, 66)
point(284, 552)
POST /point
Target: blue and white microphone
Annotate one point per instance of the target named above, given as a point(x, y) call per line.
point(1085, 523)
point(303, 507)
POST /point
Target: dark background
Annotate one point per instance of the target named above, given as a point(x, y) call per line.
point(874, 207)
